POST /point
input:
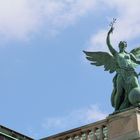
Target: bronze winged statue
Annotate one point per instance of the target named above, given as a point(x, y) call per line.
point(126, 88)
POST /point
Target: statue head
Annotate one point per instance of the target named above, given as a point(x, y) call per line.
point(122, 45)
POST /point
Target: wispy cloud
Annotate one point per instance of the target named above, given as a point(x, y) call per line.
point(128, 23)
point(20, 18)
point(17, 19)
point(75, 118)
point(98, 42)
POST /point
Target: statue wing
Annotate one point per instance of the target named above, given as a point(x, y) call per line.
point(136, 52)
point(102, 59)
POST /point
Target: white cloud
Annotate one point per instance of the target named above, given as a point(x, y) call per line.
point(127, 26)
point(74, 119)
point(17, 19)
point(66, 12)
point(20, 18)
point(98, 41)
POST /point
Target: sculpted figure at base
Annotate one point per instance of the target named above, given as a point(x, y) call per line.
point(126, 88)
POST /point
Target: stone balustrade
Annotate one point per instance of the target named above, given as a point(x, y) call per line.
point(124, 125)
point(94, 131)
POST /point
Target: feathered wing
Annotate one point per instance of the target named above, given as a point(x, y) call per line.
point(102, 59)
point(136, 52)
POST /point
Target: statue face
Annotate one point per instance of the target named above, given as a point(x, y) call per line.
point(122, 45)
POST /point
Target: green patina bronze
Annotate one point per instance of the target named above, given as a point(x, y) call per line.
point(126, 88)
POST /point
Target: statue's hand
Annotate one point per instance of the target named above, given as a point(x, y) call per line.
point(111, 30)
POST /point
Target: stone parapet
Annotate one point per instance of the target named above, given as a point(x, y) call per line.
point(93, 131)
point(120, 126)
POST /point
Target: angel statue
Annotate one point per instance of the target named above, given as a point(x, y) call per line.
point(126, 88)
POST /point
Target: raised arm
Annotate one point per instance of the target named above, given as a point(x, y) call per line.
point(112, 50)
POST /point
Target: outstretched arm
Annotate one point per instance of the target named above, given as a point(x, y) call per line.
point(112, 50)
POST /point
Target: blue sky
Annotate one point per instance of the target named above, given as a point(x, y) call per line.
point(47, 85)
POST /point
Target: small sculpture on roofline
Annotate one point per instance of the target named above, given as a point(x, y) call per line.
point(126, 88)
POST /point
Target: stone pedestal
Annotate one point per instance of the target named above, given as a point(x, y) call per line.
point(125, 125)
